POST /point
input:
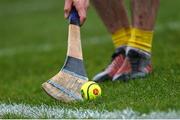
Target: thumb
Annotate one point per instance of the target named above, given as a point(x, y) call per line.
point(82, 15)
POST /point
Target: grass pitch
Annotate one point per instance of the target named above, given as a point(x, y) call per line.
point(33, 43)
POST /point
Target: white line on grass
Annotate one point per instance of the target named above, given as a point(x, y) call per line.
point(44, 111)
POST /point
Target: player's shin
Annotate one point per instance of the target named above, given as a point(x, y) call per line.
point(138, 52)
point(116, 21)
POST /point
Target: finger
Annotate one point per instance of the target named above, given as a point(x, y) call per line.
point(82, 15)
point(81, 11)
point(87, 4)
point(67, 7)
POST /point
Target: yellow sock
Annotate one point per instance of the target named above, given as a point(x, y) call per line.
point(141, 39)
point(121, 37)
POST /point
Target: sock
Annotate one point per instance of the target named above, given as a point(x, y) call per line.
point(121, 37)
point(141, 39)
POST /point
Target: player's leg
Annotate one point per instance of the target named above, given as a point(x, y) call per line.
point(138, 60)
point(114, 16)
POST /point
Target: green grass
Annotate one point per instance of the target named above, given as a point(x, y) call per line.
point(10, 116)
point(33, 40)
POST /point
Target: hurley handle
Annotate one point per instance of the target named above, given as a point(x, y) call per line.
point(74, 17)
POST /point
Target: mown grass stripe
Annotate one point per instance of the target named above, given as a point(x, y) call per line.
point(94, 40)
